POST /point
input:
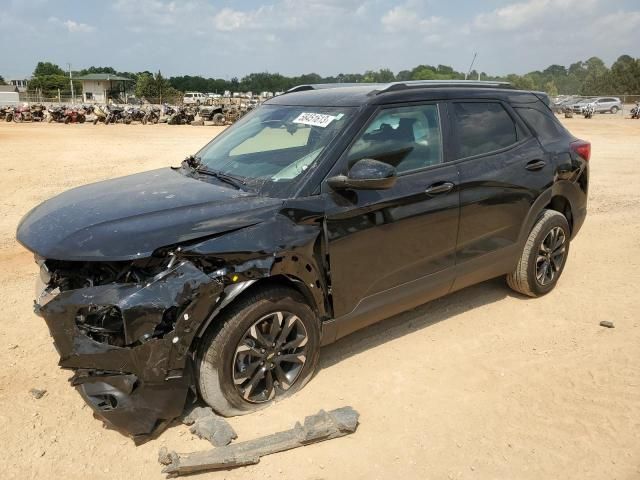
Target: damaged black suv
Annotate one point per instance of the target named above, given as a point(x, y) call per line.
point(323, 211)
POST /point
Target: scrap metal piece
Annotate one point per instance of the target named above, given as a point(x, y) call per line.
point(206, 424)
point(317, 428)
point(37, 393)
point(607, 324)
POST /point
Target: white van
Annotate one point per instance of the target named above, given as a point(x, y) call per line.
point(194, 98)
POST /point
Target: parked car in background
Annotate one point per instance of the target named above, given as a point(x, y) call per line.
point(561, 102)
point(607, 105)
point(194, 98)
point(579, 105)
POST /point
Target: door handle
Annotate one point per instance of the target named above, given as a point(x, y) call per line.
point(438, 188)
point(535, 165)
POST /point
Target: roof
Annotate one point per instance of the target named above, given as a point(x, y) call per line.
point(8, 88)
point(103, 76)
point(354, 95)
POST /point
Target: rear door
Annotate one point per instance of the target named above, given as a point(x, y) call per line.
point(503, 169)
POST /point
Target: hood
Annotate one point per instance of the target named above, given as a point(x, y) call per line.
point(130, 217)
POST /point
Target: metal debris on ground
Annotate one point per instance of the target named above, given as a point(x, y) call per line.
point(607, 323)
point(316, 428)
point(37, 393)
point(165, 457)
point(209, 426)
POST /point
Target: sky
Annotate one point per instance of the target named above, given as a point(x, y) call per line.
point(225, 39)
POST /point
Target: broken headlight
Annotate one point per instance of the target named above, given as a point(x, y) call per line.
point(102, 323)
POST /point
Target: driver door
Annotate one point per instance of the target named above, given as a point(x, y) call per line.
point(393, 249)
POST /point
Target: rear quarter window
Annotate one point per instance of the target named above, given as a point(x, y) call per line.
point(546, 127)
point(483, 128)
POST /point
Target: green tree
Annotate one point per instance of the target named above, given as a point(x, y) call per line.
point(93, 69)
point(155, 88)
point(50, 78)
point(597, 79)
point(521, 82)
point(2, 82)
point(551, 89)
point(625, 75)
point(47, 68)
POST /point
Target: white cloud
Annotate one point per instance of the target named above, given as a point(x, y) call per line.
point(160, 13)
point(72, 26)
point(403, 19)
point(517, 15)
point(228, 20)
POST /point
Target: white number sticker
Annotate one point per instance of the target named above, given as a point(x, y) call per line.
point(314, 119)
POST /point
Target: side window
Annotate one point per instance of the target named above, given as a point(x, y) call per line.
point(546, 126)
point(409, 138)
point(483, 128)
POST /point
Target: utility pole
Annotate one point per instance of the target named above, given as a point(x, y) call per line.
point(475, 54)
point(73, 96)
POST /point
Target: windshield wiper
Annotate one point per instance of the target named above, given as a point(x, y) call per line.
point(236, 182)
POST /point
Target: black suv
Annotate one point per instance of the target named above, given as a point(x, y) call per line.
point(325, 210)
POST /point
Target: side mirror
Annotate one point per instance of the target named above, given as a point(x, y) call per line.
point(365, 174)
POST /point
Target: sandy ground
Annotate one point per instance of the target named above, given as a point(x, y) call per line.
point(481, 384)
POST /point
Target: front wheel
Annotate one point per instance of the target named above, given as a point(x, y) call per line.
point(263, 348)
point(543, 257)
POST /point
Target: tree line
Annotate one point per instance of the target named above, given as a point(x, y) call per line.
point(589, 77)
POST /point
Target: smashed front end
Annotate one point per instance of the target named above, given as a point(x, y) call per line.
point(125, 329)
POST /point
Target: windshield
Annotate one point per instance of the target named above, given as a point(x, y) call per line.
point(272, 148)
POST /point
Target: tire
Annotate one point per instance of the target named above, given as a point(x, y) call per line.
point(67, 120)
point(216, 356)
point(9, 117)
point(614, 109)
point(525, 277)
point(218, 119)
point(95, 121)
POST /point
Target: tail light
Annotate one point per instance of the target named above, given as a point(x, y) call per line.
point(582, 148)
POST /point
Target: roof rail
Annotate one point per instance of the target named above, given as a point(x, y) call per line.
point(322, 86)
point(396, 86)
point(378, 88)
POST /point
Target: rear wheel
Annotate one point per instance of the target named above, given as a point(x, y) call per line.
point(264, 348)
point(614, 109)
point(543, 257)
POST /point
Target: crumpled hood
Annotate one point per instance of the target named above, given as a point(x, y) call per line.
point(130, 217)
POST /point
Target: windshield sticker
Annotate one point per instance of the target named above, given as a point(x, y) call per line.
point(314, 119)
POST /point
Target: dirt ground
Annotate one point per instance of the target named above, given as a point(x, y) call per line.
point(482, 384)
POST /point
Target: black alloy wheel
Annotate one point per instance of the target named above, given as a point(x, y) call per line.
point(551, 256)
point(270, 356)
